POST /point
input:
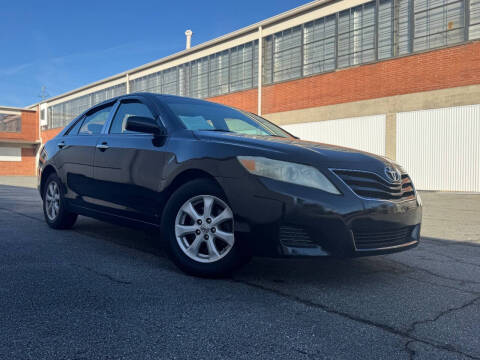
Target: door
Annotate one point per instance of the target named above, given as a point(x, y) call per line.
point(440, 148)
point(128, 167)
point(76, 152)
point(365, 133)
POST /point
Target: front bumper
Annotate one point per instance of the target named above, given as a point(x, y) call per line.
point(280, 219)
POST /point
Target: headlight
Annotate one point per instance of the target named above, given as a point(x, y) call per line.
point(288, 172)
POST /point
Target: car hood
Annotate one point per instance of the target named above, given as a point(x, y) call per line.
point(301, 151)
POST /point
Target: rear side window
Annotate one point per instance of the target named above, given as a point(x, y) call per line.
point(127, 109)
point(93, 123)
point(74, 129)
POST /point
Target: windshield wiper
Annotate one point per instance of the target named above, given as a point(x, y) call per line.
point(221, 130)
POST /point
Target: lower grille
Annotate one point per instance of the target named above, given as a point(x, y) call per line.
point(295, 237)
point(383, 239)
point(370, 185)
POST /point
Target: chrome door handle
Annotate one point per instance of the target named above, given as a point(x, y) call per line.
point(61, 144)
point(102, 146)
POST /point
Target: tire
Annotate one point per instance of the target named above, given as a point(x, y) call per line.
point(201, 242)
point(55, 211)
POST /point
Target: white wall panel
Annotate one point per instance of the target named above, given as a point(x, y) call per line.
point(441, 148)
point(364, 133)
point(10, 153)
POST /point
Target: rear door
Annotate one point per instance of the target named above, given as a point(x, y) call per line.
point(128, 166)
point(76, 153)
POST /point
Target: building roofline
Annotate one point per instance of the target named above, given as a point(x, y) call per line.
point(232, 35)
point(20, 141)
point(14, 108)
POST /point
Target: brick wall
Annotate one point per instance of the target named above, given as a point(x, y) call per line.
point(439, 69)
point(26, 167)
point(49, 134)
point(245, 100)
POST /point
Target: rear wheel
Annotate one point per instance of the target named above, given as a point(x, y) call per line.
point(199, 226)
point(54, 208)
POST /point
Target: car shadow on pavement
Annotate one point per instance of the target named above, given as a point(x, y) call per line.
point(282, 270)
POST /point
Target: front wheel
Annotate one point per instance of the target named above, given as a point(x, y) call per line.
point(199, 226)
point(54, 208)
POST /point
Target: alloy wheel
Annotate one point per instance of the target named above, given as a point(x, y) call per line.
point(52, 201)
point(204, 228)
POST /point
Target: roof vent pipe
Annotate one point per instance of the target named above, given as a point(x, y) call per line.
point(188, 34)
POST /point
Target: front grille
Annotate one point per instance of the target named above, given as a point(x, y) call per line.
point(295, 237)
point(370, 185)
point(382, 239)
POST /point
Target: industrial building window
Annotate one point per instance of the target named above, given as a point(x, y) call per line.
point(385, 29)
point(356, 35)
point(10, 122)
point(403, 27)
point(474, 29)
point(319, 45)
point(287, 54)
point(219, 64)
point(108, 93)
point(255, 63)
point(267, 62)
point(61, 114)
point(438, 23)
point(184, 79)
point(170, 81)
point(150, 83)
point(199, 78)
point(394, 28)
point(241, 67)
point(230, 70)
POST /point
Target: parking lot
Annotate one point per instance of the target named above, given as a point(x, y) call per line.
point(105, 292)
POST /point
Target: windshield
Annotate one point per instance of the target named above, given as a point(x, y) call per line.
point(199, 115)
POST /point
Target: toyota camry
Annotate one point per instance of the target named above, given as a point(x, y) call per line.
point(222, 184)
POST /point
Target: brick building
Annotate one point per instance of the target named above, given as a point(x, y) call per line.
point(19, 141)
point(399, 78)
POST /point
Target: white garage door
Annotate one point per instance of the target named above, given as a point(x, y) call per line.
point(363, 133)
point(441, 148)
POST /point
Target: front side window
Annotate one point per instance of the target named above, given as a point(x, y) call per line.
point(127, 109)
point(215, 117)
point(93, 123)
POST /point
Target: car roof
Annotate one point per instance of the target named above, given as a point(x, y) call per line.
point(167, 97)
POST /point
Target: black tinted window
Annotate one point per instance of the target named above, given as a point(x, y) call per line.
point(93, 123)
point(126, 110)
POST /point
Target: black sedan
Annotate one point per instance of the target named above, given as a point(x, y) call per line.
point(222, 184)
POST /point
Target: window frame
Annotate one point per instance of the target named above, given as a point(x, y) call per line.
point(91, 112)
point(108, 128)
point(78, 120)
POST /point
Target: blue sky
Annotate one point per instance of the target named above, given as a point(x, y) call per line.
point(66, 44)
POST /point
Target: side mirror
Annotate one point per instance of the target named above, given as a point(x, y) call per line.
point(145, 125)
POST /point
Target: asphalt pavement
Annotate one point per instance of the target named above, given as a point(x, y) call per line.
point(101, 291)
